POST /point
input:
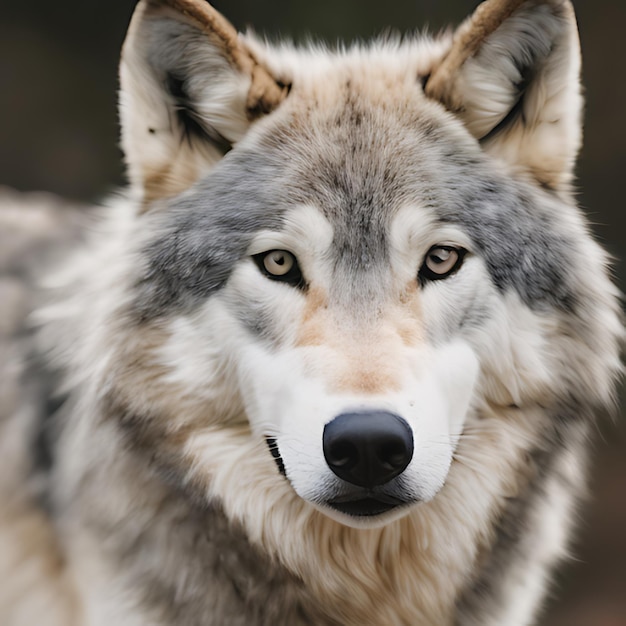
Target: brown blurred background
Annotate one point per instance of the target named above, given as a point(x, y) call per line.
point(58, 132)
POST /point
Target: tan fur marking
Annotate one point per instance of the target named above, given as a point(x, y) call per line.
point(408, 319)
point(158, 185)
point(369, 359)
point(367, 377)
point(168, 182)
point(467, 40)
point(312, 329)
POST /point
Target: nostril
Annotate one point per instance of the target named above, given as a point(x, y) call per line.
point(342, 453)
point(393, 454)
point(369, 448)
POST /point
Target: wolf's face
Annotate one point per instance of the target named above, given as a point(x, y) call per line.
point(342, 267)
point(341, 296)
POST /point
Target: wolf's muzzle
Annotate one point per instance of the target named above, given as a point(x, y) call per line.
point(368, 449)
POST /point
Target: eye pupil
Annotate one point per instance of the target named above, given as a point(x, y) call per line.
point(440, 257)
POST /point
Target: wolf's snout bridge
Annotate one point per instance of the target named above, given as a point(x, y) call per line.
point(368, 449)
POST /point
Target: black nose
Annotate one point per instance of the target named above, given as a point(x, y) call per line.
point(368, 449)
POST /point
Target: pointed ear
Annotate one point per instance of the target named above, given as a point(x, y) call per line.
point(190, 89)
point(512, 76)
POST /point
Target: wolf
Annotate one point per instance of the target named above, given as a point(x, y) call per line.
point(334, 356)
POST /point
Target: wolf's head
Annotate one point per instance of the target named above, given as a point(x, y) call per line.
point(352, 261)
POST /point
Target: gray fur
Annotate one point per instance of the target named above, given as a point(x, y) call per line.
point(516, 231)
point(513, 226)
point(206, 231)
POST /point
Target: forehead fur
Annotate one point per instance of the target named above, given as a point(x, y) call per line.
point(358, 140)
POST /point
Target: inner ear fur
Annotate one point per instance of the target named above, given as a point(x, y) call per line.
point(512, 75)
point(190, 88)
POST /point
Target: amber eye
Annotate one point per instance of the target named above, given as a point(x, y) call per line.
point(441, 262)
point(280, 265)
point(278, 262)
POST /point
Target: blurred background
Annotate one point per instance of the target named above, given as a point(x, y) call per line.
point(58, 132)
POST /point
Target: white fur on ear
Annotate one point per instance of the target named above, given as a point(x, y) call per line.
point(189, 90)
point(512, 76)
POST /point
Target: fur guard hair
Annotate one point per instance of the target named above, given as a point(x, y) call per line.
point(166, 393)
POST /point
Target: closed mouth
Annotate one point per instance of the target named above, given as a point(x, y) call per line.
point(366, 507)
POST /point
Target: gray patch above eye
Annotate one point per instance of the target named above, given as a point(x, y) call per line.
point(206, 231)
point(518, 235)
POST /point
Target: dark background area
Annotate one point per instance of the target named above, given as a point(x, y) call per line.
point(58, 132)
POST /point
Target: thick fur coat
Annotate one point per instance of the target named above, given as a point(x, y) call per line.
point(309, 237)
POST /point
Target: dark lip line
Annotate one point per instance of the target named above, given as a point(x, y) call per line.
point(272, 444)
point(368, 495)
point(364, 507)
